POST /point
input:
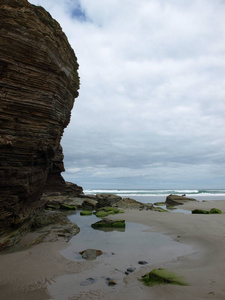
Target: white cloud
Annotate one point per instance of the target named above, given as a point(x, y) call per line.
point(151, 101)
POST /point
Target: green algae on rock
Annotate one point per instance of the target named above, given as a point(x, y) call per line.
point(215, 211)
point(67, 207)
point(162, 276)
point(200, 211)
point(107, 223)
point(206, 212)
point(86, 213)
point(107, 210)
point(159, 203)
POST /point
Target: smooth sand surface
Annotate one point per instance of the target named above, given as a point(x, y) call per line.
point(29, 274)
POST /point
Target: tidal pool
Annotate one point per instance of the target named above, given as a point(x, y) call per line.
point(121, 250)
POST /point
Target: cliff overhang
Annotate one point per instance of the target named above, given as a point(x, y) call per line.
point(38, 84)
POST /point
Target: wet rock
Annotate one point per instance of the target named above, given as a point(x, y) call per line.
point(88, 281)
point(131, 269)
point(215, 211)
point(202, 211)
point(111, 282)
point(142, 262)
point(107, 223)
point(55, 201)
point(177, 200)
point(132, 204)
point(105, 211)
point(89, 204)
point(65, 206)
point(162, 276)
point(44, 226)
point(105, 199)
point(86, 213)
point(90, 254)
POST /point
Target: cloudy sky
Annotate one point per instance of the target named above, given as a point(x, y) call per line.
point(151, 109)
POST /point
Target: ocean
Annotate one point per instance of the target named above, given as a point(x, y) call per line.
point(152, 196)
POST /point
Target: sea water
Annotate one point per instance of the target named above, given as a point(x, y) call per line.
point(152, 196)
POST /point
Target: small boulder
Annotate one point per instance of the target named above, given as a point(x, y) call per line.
point(215, 211)
point(162, 276)
point(105, 199)
point(89, 204)
point(142, 262)
point(90, 254)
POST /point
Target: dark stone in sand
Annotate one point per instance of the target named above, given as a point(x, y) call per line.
point(131, 269)
point(142, 262)
point(111, 282)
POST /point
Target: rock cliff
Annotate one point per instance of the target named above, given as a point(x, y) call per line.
point(38, 84)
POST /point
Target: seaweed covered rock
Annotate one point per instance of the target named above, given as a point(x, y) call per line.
point(162, 276)
point(107, 223)
point(105, 211)
point(202, 211)
point(86, 213)
point(38, 84)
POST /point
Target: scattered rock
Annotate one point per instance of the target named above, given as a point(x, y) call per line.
point(111, 282)
point(130, 270)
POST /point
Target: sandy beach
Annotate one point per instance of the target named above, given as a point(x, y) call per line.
point(29, 274)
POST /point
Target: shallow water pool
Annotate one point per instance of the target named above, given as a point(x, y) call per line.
point(121, 250)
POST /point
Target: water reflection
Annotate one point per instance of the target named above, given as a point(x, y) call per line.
point(121, 250)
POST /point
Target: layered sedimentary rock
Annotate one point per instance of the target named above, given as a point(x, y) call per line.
point(177, 200)
point(38, 84)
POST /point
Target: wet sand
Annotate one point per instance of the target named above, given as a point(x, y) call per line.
point(30, 274)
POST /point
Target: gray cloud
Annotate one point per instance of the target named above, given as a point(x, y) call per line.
point(151, 110)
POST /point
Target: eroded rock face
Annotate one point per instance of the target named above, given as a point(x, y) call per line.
point(38, 84)
point(177, 200)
